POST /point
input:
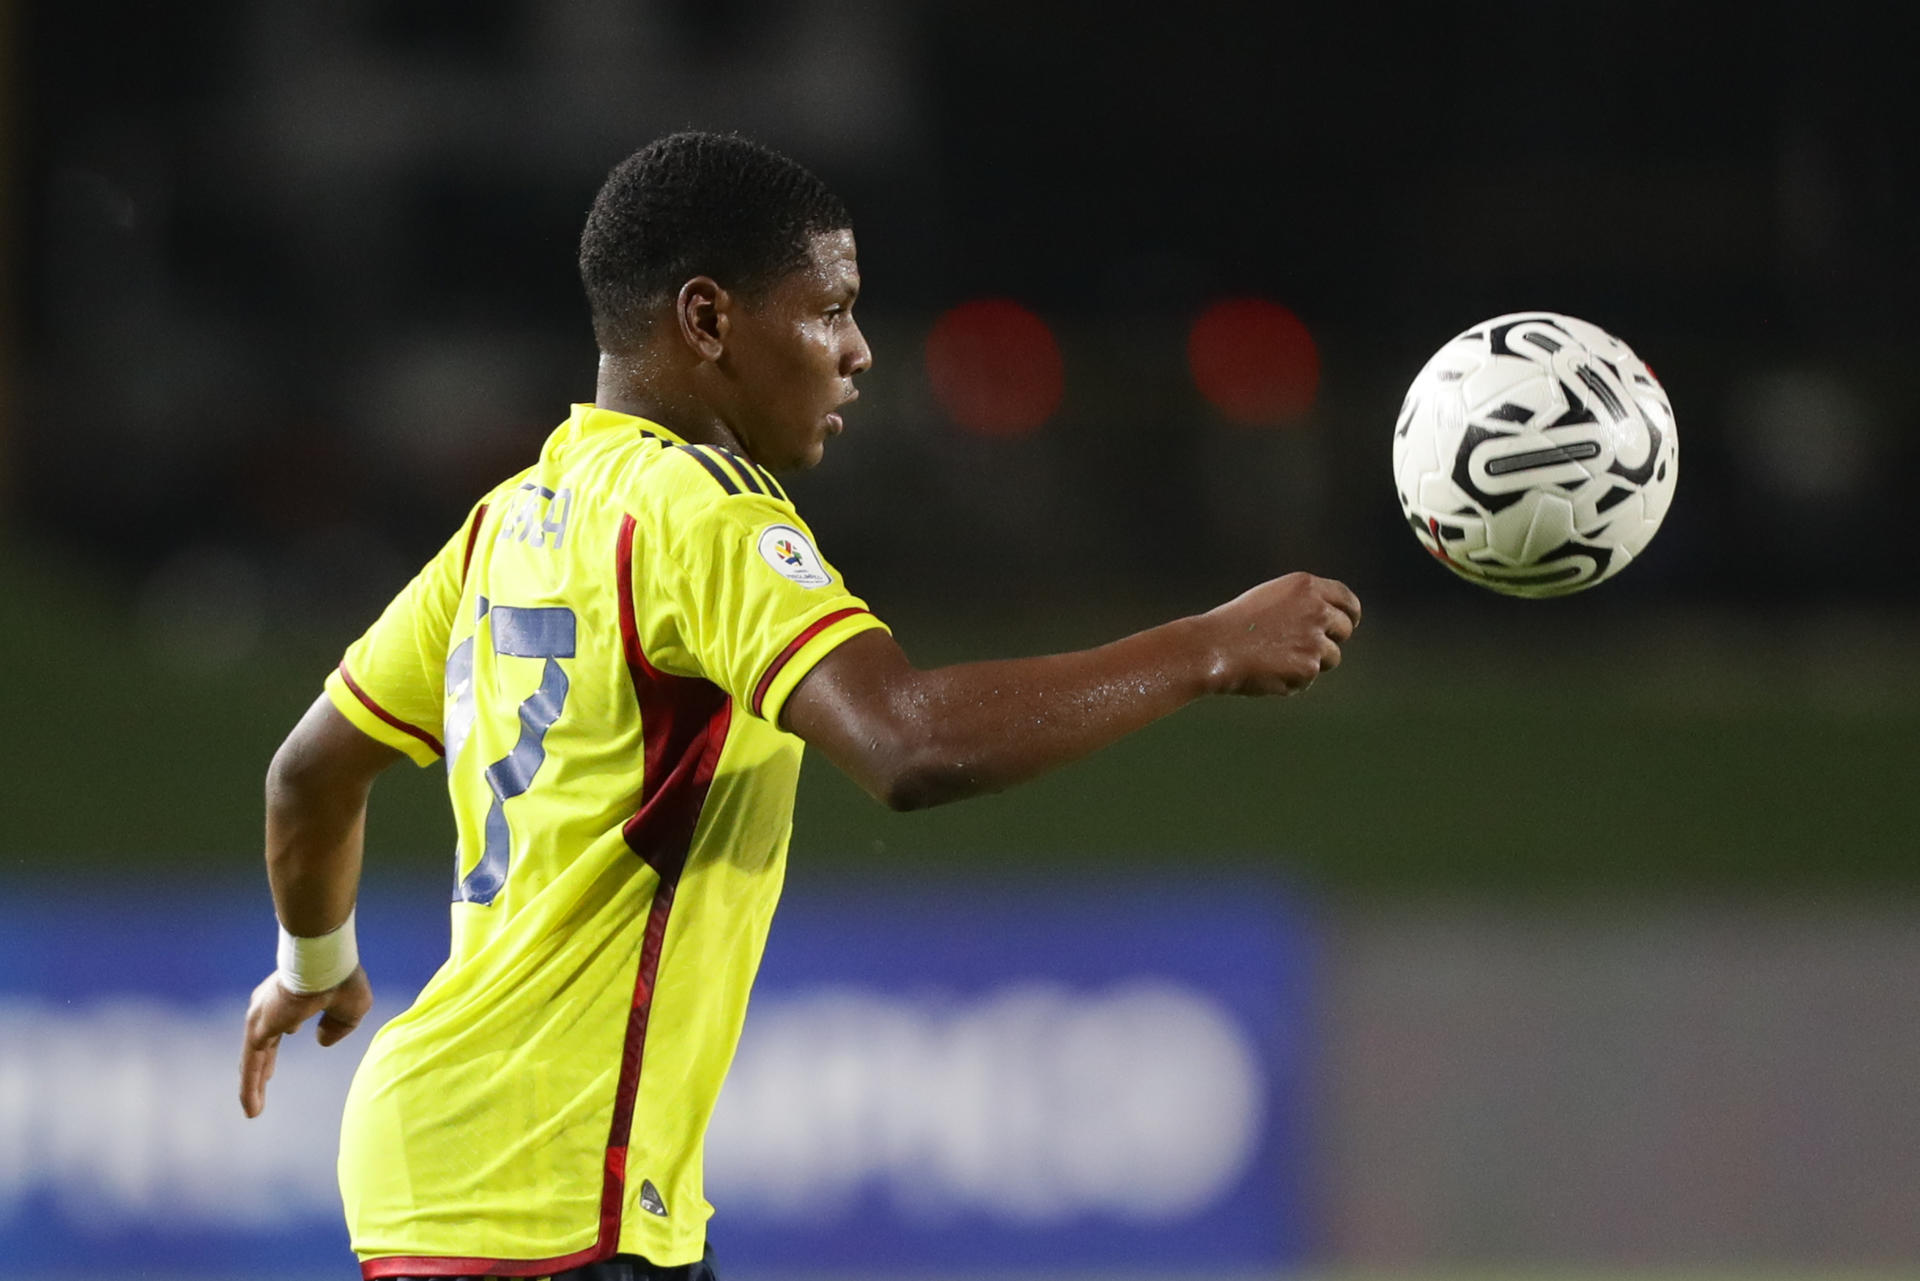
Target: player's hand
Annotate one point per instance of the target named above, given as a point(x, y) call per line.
point(1278, 637)
point(275, 1012)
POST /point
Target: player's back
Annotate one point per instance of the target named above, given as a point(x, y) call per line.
point(615, 630)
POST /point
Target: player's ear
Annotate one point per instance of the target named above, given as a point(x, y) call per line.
point(701, 310)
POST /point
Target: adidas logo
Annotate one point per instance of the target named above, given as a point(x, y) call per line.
point(650, 1199)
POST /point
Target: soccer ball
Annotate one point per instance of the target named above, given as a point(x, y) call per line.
point(1535, 455)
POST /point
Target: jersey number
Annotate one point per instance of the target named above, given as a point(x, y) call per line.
point(517, 633)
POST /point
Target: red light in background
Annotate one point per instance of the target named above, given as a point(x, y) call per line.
point(995, 367)
point(1254, 361)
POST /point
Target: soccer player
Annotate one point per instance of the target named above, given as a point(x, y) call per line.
point(618, 655)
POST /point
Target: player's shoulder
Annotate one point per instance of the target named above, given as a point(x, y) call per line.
point(687, 480)
point(710, 471)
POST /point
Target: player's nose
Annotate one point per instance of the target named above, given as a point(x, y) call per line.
point(858, 357)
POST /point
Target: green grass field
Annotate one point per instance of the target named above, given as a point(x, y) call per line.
point(1715, 754)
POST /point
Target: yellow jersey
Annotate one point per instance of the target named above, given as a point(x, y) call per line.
point(600, 656)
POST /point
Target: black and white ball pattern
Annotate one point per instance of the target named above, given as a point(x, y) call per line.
point(1535, 454)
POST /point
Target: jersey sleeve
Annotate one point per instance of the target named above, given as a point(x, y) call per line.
point(392, 682)
point(744, 599)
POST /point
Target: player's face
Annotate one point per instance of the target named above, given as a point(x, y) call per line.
point(793, 355)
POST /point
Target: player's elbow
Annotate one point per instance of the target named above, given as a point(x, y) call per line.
point(885, 773)
point(324, 763)
point(876, 718)
point(299, 795)
point(302, 770)
point(920, 775)
point(903, 790)
point(291, 775)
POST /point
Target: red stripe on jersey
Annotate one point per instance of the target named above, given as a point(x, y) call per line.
point(684, 722)
point(613, 1190)
point(798, 643)
point(407, 1265)
point(388, 716)
point(473, 536)
point(629, 621)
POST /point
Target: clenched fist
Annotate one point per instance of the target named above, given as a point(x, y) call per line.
point(1276, 638)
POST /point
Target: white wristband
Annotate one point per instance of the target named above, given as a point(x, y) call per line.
point(309, 965)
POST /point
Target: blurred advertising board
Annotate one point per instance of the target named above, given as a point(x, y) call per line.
point(1037, 1078)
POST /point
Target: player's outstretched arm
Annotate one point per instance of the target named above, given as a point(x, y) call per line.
point(914, 738)
point(316, 819)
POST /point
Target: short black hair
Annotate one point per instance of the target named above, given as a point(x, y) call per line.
point(696, 204)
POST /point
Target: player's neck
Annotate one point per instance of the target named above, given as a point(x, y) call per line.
point(638, 386)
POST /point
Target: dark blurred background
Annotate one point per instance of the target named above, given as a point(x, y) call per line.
point(290, 284)
point(286, 285)
point(293, 279)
